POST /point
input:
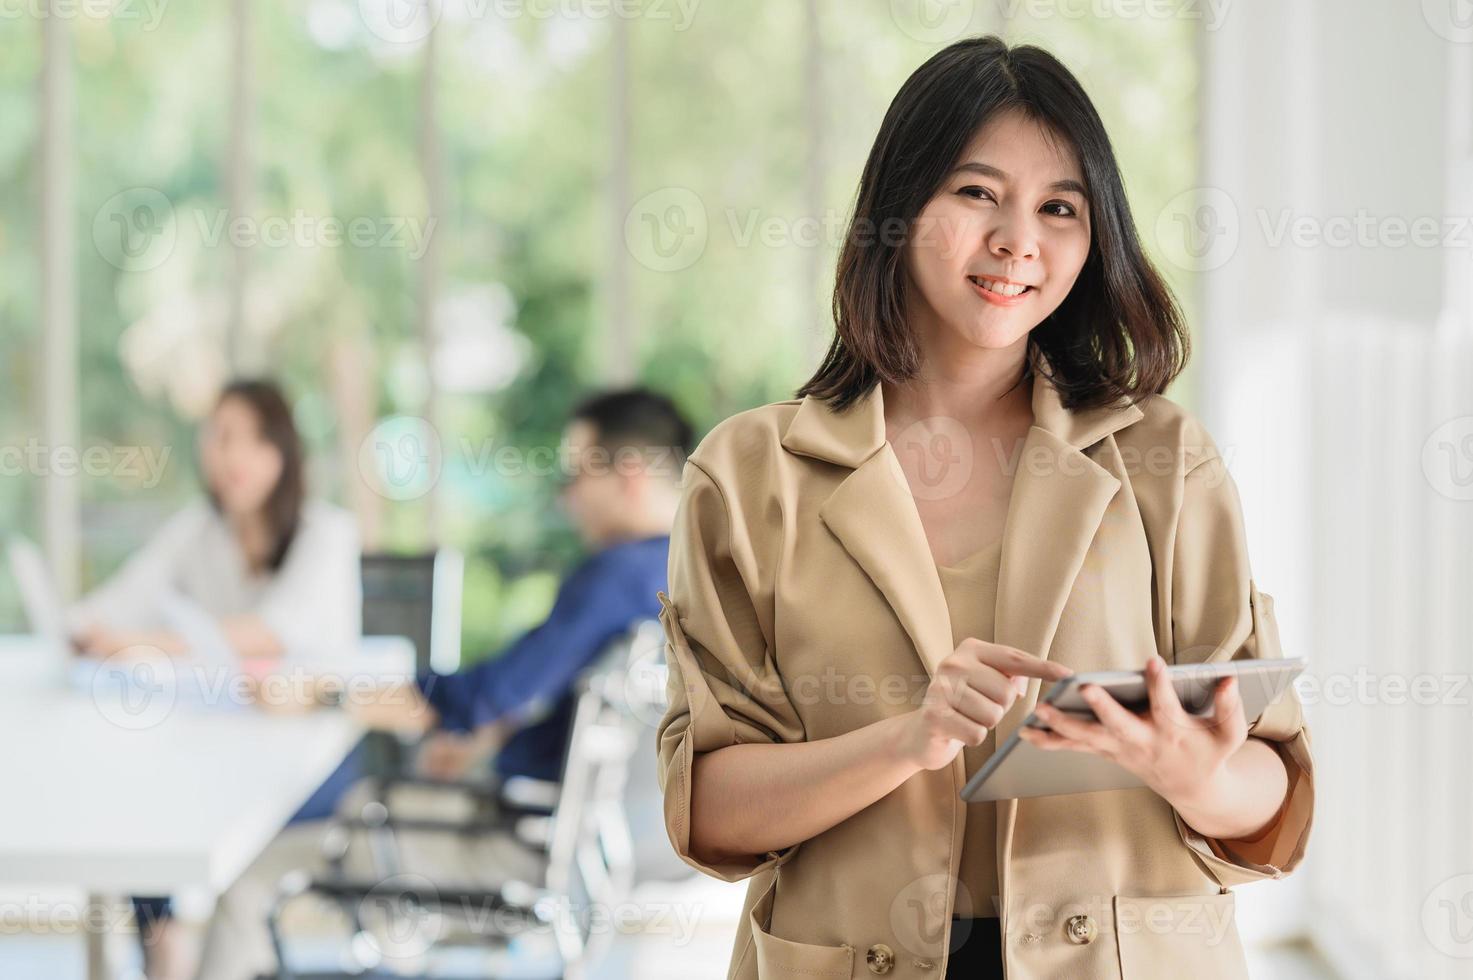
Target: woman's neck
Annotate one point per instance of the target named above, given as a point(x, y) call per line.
point(253, 534)
point(978, 387)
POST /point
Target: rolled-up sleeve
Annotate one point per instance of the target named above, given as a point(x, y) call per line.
point(724, 687)
point(1218, 613)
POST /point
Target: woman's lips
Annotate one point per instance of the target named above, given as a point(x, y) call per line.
point(999, 299)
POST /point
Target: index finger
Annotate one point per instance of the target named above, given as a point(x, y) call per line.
point(1012, 661)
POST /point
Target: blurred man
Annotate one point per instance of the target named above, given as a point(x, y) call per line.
point(621, 466)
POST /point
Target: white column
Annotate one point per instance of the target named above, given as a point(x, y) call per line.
point(617, 329)
point(815, 105)
point(60, 502)
point(432, 172)
point(1325, 134)
point(244, 357)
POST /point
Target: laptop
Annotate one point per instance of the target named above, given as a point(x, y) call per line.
point(210, 666)
point(45, 613)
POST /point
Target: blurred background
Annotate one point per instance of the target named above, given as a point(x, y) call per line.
point(444, 222)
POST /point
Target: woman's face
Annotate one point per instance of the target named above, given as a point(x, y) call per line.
point(1011, 214)
point(241, 467)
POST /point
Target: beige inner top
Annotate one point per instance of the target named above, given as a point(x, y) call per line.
point(971, 599)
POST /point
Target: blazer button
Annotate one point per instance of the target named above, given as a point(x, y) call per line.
point(1081, 929)
point(880, 958)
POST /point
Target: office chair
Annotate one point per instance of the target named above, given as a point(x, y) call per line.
point(417, 596)
point(591, 859)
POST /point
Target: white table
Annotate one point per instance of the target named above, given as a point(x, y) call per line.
point(149, 803)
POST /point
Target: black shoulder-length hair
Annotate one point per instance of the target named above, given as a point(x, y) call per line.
point(1119, 332)
point(283, 508)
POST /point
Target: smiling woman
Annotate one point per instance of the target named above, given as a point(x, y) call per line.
point(977, 148)
point(948, 515)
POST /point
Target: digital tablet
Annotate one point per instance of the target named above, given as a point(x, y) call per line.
point(1018, 769)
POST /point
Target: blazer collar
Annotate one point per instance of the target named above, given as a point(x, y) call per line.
point(852, 436)
point(1055, 512)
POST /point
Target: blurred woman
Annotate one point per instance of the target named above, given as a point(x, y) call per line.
point(277, 573)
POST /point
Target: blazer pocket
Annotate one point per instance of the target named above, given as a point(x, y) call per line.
point(1179, 935)
point(783, 959)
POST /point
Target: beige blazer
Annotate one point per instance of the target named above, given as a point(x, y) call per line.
point(804, 603)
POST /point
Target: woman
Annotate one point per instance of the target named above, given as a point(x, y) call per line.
point(981, 489)
point(277, 573)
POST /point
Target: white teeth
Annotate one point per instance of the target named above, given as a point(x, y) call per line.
point(1001, 288)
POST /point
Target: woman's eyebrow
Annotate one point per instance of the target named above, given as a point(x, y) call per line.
point(988, 170)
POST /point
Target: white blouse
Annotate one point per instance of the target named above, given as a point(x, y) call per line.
point(313, 602)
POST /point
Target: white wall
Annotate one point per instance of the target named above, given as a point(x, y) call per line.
point(1329, 358)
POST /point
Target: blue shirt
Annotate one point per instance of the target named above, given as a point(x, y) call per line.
point(602, 598)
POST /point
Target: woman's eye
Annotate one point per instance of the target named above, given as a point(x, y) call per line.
point(1061, 209)
point(976, 193)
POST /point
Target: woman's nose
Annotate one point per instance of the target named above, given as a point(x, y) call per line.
point(1015, 239)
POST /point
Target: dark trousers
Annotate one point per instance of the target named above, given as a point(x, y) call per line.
point(976, 949)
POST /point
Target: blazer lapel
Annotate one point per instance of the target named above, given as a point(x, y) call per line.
point(1058, 500)
point(874, 516)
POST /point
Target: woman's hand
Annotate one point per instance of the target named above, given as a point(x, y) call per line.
point(1176, 753)
point(971, 691)
point(96, 640)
